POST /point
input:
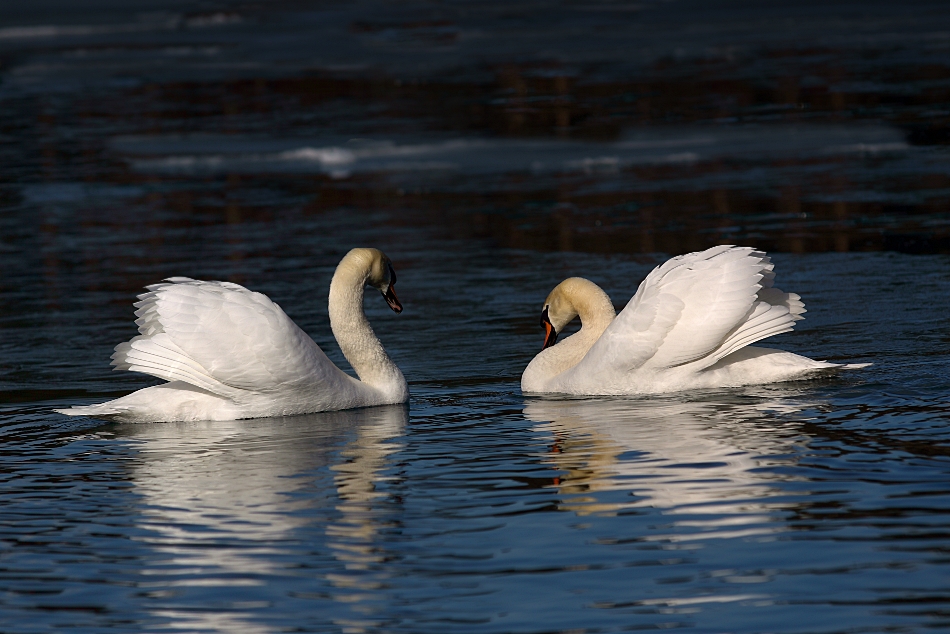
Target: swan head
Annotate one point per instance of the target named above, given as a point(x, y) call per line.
point(382, 276)
point(558, 311)
point(572, 297)
point(368, 267)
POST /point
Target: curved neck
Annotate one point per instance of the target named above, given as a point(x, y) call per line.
point(356, 338)
point(591, 304)
point(596, 311)
point(588, 301)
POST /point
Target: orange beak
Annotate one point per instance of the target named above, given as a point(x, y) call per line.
point(550, 334)
point(392, 300)
point(390, 294)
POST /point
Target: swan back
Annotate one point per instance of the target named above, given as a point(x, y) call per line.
point(699, 307)
point(220, 337)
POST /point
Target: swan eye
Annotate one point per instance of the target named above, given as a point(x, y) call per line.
point(544, 317)
point(392, 275)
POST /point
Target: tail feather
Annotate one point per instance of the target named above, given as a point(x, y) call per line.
point(792, 301)
point(100, 410)
point(158, 356)
point(765, 320)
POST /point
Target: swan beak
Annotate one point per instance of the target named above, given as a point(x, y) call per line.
point(392, 300)
point(550, 334)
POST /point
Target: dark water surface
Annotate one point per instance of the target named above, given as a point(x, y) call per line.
point(491, 149)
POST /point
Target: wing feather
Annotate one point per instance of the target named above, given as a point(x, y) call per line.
point(695, 308)
point(220, 337)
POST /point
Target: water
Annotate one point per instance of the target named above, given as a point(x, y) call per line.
point(491, 151)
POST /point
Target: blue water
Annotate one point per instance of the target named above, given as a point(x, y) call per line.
point(491, 151)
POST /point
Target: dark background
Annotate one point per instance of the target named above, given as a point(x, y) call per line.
point(825, 124)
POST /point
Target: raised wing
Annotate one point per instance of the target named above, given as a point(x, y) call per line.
point(220, 337)
point(695, 308)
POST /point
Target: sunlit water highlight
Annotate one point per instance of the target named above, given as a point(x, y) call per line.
point(785, 507)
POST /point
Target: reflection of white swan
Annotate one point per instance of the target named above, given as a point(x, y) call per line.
point(229, 353)
point(688, 326)
point(223, 503)
point(354, 537)
point(684, 458)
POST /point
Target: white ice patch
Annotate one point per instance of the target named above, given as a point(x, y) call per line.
point(656, 145)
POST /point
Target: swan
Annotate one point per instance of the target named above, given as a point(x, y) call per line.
point(230, 353)
point(688, 326)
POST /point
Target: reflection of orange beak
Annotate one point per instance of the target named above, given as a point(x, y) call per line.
point(392, 300)
point(550, 334)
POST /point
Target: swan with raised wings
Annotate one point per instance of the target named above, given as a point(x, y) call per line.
point(688, 326)
point(229, 353)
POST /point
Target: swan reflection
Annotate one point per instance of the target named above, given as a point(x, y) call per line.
point(226, 505)
point(358, 479)
point(700, 459)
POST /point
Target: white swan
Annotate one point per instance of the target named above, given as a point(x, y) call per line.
point(688, 326)
point(229, 353)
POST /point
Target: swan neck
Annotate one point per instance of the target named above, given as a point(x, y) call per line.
point(352, 330)
point(596, 311)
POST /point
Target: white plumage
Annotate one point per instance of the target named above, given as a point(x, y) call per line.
point(688, 326)
point(230, 353)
